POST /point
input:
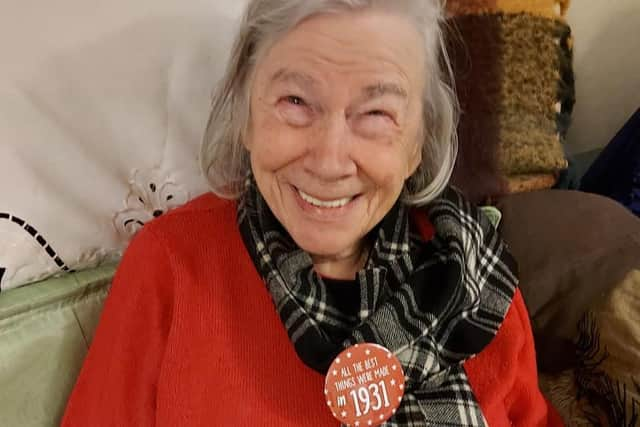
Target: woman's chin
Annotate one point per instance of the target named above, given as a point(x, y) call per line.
point(323, 246)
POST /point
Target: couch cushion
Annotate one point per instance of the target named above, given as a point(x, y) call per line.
point(45, 331)
point(572, 248)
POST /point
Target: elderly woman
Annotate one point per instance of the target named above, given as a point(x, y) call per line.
point(329, 148)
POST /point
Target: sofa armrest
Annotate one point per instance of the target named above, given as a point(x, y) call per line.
point(45, 331)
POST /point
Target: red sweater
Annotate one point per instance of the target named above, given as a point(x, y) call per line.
point(189, 337)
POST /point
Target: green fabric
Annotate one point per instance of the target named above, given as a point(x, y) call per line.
point(493, 213)
point(45, 331)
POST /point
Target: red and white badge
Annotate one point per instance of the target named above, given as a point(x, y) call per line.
point(364, 385)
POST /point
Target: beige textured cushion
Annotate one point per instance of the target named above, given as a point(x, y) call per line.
point(603, 388)
point(530, 182)
point(546, 8)
point(514, 123)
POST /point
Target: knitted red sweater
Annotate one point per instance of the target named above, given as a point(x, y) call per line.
point(189, 337)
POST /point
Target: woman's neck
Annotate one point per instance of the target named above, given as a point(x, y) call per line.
point(343, 266)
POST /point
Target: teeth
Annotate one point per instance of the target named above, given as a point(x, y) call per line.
point(324, 204)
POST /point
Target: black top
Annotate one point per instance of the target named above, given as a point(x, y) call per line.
point(346, 294)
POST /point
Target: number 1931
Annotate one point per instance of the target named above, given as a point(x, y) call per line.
point(373, 398)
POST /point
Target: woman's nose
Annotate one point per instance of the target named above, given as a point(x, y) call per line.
point(330, 153)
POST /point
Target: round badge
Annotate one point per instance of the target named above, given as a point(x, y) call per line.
point(364, 385)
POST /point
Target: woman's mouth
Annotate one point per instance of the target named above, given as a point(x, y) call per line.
point(329, 208)
point(327, 204)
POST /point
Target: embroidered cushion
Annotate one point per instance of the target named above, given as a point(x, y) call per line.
point(101, 119)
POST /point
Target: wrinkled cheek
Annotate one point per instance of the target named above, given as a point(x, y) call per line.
point(274, 151)
point(382, 167)
point(389, 184)
point(273, 145)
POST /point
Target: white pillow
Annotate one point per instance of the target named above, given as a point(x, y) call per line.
point(102, 109)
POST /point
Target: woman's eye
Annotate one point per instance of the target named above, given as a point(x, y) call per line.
point(295, 100)
point(295, 110)
point(376, 123)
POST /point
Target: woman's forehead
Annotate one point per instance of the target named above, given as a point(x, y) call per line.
point(366, 43)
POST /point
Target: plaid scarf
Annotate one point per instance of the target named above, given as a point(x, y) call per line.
point(434, 304)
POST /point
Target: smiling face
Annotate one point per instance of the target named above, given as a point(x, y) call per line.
point(336, 112)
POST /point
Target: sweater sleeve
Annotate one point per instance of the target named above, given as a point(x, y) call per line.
point(509, 394)
point(117, 383)
point(525, 393)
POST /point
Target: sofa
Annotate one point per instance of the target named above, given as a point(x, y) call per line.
point(102, 125)
point(574, 249)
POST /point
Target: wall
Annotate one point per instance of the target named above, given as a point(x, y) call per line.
point(607, 66)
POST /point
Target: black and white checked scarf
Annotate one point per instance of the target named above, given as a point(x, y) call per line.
point(433, 304)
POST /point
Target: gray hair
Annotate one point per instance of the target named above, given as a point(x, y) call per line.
point(224, 159)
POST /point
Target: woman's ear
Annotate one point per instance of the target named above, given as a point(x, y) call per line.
point(247, 133)
point(415, 158)
point(246, 144)
point(247, 137)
